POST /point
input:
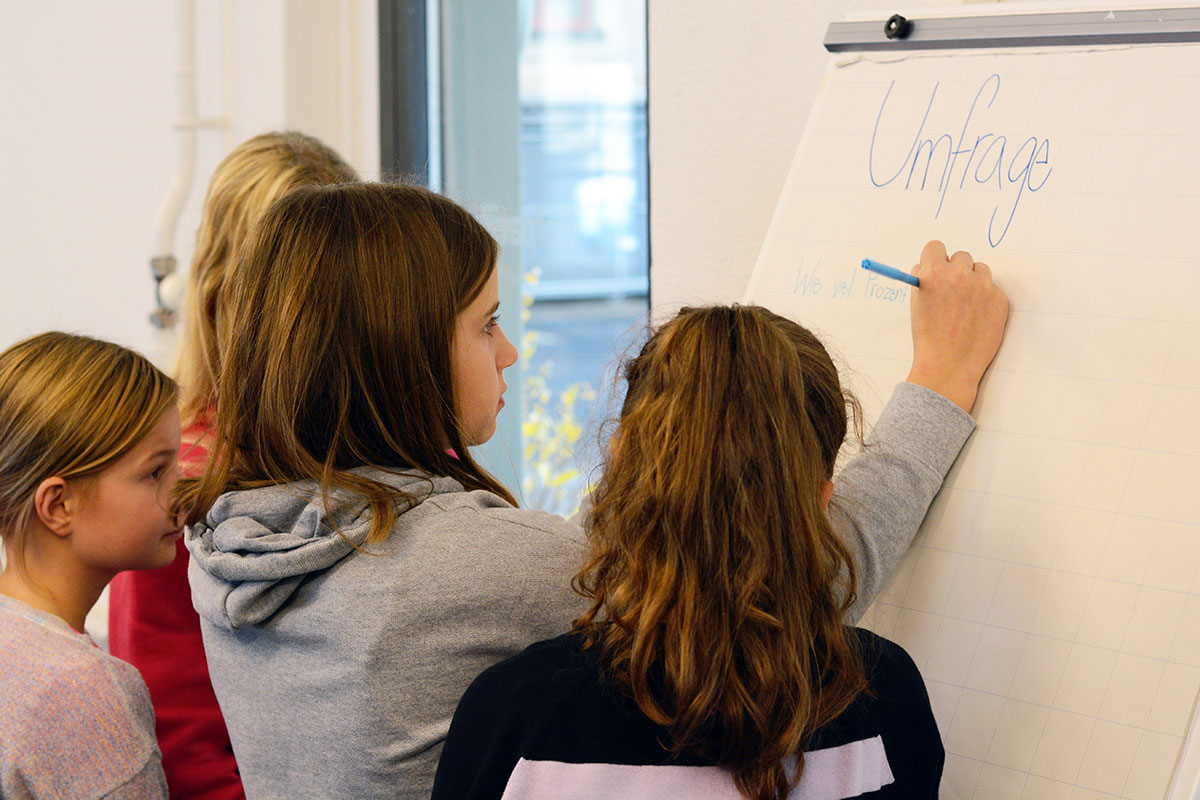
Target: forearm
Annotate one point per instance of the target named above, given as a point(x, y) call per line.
point(881, 496)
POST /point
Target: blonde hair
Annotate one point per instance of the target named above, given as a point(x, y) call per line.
point(69, 407)
point(715, 577)
point(247, 181)
point(336, 334)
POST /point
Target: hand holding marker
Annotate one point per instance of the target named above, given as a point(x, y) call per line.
point(891, 272)
point(958, 318)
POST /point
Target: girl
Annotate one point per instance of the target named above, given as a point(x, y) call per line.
point(89, 433)
point(151, 621)
point(714, 636)
point(353, 567)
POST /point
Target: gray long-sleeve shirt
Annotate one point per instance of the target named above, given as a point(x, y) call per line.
point(338, 664)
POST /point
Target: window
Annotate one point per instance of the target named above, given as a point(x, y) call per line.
point(533, 115)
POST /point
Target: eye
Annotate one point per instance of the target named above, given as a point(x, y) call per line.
point(493, 322)
point(162, 470)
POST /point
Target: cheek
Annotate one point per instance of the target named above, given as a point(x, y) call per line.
point(484, 388)
point(144, 516)
point(122, 527)
point(478, 374)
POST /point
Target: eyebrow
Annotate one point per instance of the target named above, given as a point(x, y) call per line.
point(492, 311)
point(165, 452)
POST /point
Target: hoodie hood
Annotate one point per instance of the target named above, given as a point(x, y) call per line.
point(255, 547)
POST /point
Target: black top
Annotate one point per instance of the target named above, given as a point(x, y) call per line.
point(548, 724)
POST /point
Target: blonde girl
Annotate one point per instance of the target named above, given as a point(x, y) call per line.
point(89, 433)
point(151, 621)
point(713, 654)
point(353, 566)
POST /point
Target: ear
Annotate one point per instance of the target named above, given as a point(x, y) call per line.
point(51, 506)
point(826, 494)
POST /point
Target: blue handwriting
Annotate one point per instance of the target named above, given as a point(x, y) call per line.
point(1032, 155)
point(810, 283)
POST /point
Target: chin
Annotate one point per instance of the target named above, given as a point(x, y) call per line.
point(480, 436)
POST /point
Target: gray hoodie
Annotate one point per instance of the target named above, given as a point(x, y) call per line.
point(338, 664)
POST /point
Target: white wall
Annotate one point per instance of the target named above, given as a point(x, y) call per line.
point(87, 102)
point(731, 85)
point(88, 97)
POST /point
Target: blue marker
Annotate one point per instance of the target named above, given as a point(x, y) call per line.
point(891, 272)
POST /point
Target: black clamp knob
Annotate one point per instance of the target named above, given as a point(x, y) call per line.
point(897, 27)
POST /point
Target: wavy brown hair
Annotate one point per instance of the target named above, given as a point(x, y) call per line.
point(248, 180)
point(335, 336)
point(717, 583)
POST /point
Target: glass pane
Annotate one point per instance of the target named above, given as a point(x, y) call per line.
point(544, 136)
point(583, 147)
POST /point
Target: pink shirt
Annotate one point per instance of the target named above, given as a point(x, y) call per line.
point(74, 721)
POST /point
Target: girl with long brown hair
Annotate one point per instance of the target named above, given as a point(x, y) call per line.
point(353, 566)
point(151, 623)
point(717, 590)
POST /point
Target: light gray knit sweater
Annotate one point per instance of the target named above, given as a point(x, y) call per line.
point(338, 670)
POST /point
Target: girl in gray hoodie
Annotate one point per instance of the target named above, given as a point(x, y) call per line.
point(354, 568)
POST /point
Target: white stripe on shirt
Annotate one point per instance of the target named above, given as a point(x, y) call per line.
point(834, 773)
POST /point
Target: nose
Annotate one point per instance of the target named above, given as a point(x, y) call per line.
point(507, 354)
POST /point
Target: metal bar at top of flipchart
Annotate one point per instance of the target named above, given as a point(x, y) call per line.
point(1132, 26)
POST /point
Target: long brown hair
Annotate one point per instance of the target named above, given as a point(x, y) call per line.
point(335, 332)
point(69, 407)
point(717, 583)
point(247, 181)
